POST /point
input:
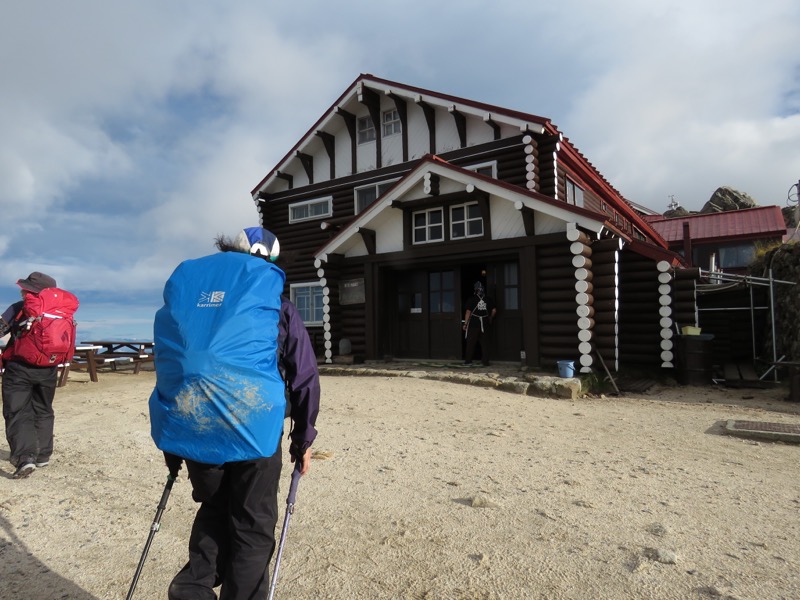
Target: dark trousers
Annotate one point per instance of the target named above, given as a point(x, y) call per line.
point(28, 394)
point(233, 536)
point(477, 334)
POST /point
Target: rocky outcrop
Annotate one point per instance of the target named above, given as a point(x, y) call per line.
point(725, 199)
point(677, 212)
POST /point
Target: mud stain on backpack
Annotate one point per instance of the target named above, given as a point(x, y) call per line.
point(230, 403)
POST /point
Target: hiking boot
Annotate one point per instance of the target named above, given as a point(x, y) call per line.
point(24, 469)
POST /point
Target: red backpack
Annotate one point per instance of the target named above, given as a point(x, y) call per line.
point(47, 334)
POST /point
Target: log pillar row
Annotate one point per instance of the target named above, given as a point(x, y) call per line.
point(326, 311)
point(665, 311)
point(582, 262)
point(606, 257)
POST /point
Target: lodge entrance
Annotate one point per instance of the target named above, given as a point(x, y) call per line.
point(425, 306)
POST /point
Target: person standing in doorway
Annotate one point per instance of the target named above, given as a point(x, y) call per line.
point(479, 314)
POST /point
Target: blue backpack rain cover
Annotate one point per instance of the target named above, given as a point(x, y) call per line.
point(219, 396)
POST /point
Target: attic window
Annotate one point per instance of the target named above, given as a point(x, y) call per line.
point(574, 193)
point(391, 122)
point(366, 130)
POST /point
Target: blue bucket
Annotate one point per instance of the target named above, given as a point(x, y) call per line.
point(566, 368)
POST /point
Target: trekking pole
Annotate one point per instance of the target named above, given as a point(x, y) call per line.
point(162, 505)
point(286, 518)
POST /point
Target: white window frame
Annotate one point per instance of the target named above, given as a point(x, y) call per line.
point(307, 318)
point(365, 130)
point(378, 193)
point(483, 165)
point(466, 221)
point(392, 126)
point(428, 226)
point(572, 193)
point(328, 209)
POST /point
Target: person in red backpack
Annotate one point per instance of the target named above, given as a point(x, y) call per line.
point(28, 390)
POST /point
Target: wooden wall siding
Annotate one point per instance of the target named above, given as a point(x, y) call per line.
point(605, 259)
point(582, 261)
point(511, 165)
point(684, 296)
point(639, 303)
point(555, 292)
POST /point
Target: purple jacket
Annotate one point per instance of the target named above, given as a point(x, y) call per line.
point(298, 365)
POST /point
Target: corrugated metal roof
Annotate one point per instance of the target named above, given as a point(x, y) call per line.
point(759, 222)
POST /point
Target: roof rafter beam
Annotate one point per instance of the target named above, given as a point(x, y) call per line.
point(494, 125)
point(368, 236)
point(528, 219)
point(329, 141)
point(461, 125)
point(402, 112)
point(350, 122)
point(372, 101)
point(308, 164)
point(286, 177)
point(430, 119)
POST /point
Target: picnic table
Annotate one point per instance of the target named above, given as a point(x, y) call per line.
point(84, 357)
point(111, 351)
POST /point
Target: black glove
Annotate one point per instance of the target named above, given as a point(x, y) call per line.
point(174, 463)
point(297, 452)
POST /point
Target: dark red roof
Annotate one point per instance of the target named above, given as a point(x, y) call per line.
point(749, 223)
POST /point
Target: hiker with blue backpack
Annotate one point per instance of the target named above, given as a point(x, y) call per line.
point(233, 359)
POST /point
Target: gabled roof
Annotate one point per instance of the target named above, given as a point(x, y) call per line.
point(492, 114)
point(746, 224)
point(488, 112)
point(522, 199)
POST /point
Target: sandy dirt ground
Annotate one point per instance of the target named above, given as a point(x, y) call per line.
point(434, 490)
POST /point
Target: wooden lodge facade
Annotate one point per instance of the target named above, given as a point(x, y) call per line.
point(399, 199)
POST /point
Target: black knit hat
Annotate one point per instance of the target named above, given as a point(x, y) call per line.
point(36, 282)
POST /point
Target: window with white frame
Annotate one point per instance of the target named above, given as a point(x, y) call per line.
point(366, 130)
point(428, 226)
point(391, 122)
point(488, 168)
point(307, 210)
point(307, 297)
point(367, 194)
point(465, 221)
point(574, 193)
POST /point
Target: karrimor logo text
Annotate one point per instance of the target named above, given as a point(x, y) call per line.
point(210, 299)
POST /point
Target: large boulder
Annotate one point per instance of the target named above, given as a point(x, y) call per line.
point(678, 211)
point(725, 199)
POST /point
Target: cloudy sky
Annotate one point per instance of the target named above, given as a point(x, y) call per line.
point(132, 133)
